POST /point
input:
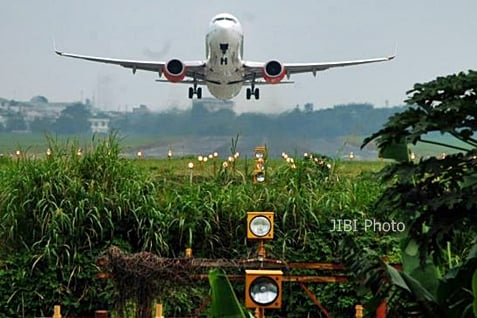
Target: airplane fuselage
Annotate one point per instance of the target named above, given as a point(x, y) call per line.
point(224, 70)
point(224, 53)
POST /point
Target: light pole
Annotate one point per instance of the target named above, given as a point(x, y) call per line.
point(190, 165)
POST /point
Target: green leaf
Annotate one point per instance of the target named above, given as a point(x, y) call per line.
point(224, 301)
point(395, 150)
point(474, 291)
point(425, 273)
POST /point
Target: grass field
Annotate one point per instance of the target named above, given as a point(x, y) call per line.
point(38, 143)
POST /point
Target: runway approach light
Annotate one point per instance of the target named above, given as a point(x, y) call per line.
point(263, 288)
point(260, 155)
point(260, 225)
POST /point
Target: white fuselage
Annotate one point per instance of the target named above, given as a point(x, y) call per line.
point(224, 53)
point(224, 70)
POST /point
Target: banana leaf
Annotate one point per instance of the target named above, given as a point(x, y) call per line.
point(224, 301)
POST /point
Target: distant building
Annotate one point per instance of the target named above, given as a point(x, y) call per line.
point(39, 108)
point(141, 110)
point(213, 104)
point(99, 124)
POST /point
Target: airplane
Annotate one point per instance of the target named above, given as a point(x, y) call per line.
point(224, 71)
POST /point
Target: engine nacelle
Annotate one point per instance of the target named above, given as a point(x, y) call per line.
point(273, 72)
point(174, 70)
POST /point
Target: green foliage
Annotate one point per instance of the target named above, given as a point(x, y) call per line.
point(425, 273)
point(342, 120)
point(436, 196)
point(224, 303)
point(58, 214)
point(209, 215)
point(446, 105)
point(396, 150)
point(405, 295)
point(15, 122)
point(474, 290)
point(73, 120)
point(455, 290)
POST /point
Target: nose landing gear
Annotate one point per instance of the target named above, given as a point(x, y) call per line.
point(224, 48)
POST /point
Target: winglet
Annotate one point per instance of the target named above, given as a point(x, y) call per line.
point(394, 54)
point(54, 47)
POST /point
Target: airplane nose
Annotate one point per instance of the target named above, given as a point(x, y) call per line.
point(223, 32)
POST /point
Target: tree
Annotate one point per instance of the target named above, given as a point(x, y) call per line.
point(73, 120)
point(435, 196)
point(39, 99)
point(308, 107)
point(41, 124)
point(15, 122)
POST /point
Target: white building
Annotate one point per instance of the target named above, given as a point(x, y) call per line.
point(99, 125)
point(213, 104)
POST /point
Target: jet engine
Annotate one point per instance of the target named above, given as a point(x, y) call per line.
point(174, 70)
point(273, 72)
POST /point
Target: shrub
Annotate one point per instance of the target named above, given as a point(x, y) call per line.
point(59, 213)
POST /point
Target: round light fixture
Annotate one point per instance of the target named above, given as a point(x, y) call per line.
point(260, 226)
point(260, 177)
point(264, 290)
point(259, 155)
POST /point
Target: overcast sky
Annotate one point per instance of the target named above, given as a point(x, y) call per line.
point(434, 38)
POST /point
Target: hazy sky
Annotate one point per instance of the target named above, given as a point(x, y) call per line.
point(434, 38)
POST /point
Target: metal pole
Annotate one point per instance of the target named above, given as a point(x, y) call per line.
point(261, 251)
point(259, 312)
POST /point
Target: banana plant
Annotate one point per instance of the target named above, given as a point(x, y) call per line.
point(420, 293)
point(224, 301)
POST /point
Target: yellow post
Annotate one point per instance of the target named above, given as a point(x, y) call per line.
point(259, 313)
point(359, 311)
point(57, 311)
point(158, 311)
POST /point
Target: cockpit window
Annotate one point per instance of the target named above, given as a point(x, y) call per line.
point(225, 18)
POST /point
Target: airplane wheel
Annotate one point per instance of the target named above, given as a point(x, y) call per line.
point(191, 92)
point(199, 92)
point(249, 93)
point(257, 93)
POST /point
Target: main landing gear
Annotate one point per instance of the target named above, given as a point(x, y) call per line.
point(255, 92)
point(194, 90)
point(252, 90)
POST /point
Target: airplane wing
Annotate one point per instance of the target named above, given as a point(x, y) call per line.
point(255, 69)
point(193, 68)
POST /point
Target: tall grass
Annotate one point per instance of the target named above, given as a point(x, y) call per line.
point(59, 213)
